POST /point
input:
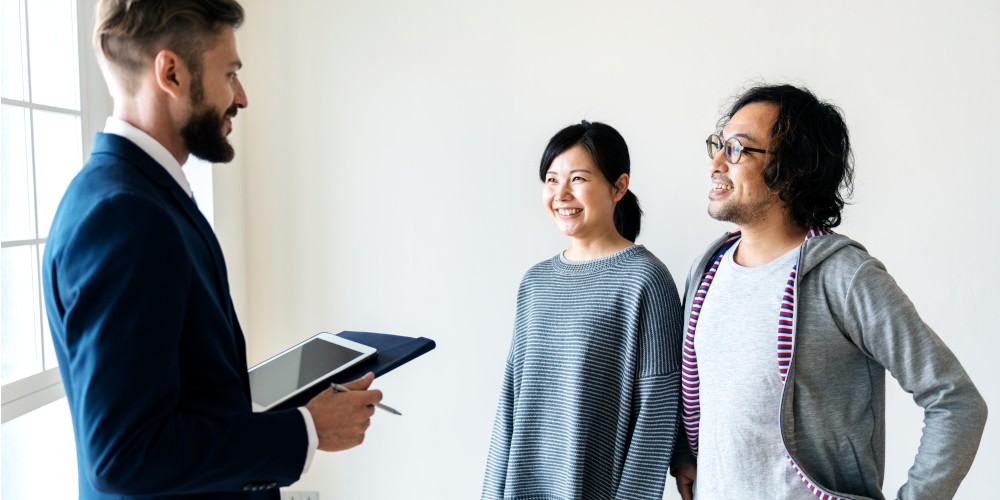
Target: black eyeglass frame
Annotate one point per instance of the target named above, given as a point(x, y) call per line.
point(730, 150)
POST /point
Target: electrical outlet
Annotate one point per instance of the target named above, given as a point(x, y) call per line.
point(291, 495)
point(310, 495)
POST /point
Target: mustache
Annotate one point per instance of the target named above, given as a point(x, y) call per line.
point(720, 179)
point(231, 112)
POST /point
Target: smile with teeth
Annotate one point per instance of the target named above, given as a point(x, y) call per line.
point(721, 187)
point(568, 211)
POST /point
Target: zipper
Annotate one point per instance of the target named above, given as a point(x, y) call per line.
point(809, 482)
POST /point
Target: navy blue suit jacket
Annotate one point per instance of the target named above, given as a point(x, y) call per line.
point(150, 351)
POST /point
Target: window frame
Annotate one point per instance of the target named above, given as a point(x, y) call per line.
point(24, 395)
point(21, 396)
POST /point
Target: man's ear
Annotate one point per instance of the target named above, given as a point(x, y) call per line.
point(172, 75)
point(621, 187)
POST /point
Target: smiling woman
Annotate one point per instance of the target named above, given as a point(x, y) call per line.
point(604, 314)
point(586, 171)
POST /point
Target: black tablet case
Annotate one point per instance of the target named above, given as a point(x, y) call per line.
point(393, 351)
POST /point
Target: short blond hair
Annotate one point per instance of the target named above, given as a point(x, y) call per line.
point(129, 33)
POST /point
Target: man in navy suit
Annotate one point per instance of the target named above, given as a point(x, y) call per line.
point(150, 351)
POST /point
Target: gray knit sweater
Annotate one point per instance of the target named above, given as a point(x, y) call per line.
point(589, 405)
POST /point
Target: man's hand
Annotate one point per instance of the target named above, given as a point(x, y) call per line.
point(341, 418)
point(685, 480)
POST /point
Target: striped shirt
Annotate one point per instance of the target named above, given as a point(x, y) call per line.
point(589, 404)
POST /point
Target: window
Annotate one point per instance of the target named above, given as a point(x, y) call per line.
point(42, 126)
point(41, 115)
point(47, 67)
point(39, 455)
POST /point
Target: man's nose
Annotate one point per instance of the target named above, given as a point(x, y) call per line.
point(718, 164)
point(240, 98)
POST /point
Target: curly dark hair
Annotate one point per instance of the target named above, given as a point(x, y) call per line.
point(810, 164)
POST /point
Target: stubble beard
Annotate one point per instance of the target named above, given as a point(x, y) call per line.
point(748, 213)
point(203, 132)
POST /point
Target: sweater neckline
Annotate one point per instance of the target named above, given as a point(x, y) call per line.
point(584, 267)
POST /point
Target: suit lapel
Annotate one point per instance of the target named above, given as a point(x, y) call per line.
point(117, 145)
point(198, 219)
point(207, 234)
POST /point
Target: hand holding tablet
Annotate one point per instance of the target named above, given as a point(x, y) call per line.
point(306, 375)
point(303, 366)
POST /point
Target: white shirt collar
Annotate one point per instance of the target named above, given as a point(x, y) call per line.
point(153, 148)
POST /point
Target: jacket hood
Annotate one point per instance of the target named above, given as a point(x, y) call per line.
point(814, 251)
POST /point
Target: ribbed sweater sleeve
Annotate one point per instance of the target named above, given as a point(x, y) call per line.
point(645, 470)
point(503, 427)
point(655, 396)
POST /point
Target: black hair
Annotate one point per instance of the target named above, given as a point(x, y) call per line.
point(810, 162)
point(607, 149)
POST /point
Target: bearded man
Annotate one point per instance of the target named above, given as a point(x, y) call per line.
point(151, 353)
point(791, 328)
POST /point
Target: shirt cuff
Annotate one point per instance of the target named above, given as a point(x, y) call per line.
point(313, 437)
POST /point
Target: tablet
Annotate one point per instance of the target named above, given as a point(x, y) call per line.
point(303, 366)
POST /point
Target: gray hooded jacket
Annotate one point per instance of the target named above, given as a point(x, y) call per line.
point(851, 323)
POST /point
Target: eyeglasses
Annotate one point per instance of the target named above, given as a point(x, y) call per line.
point(733, 148)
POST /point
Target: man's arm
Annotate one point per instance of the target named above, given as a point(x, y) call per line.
point(683, 465)
point(682, 451)
point(682, 462)
point(121, 289)
point(883, 322)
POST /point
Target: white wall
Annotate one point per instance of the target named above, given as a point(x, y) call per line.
point(389, 181)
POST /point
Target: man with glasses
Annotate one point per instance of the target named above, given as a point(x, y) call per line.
point(791, 328)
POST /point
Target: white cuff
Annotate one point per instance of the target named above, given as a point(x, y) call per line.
point(313, 437)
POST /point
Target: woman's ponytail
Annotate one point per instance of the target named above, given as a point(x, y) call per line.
point(628, 216)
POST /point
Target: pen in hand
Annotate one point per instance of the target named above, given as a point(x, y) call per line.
point(340, 388)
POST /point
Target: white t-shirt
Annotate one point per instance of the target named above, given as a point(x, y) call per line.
point(740, 451)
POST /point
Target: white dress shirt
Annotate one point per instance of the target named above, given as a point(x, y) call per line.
point(151, 147)
point(159, 153)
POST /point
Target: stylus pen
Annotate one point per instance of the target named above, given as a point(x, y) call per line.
point(340, 388)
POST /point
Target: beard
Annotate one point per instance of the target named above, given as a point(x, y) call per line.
point(746, 213)
point(202, 133)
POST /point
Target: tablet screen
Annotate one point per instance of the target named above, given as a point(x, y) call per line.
point(296, 369)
